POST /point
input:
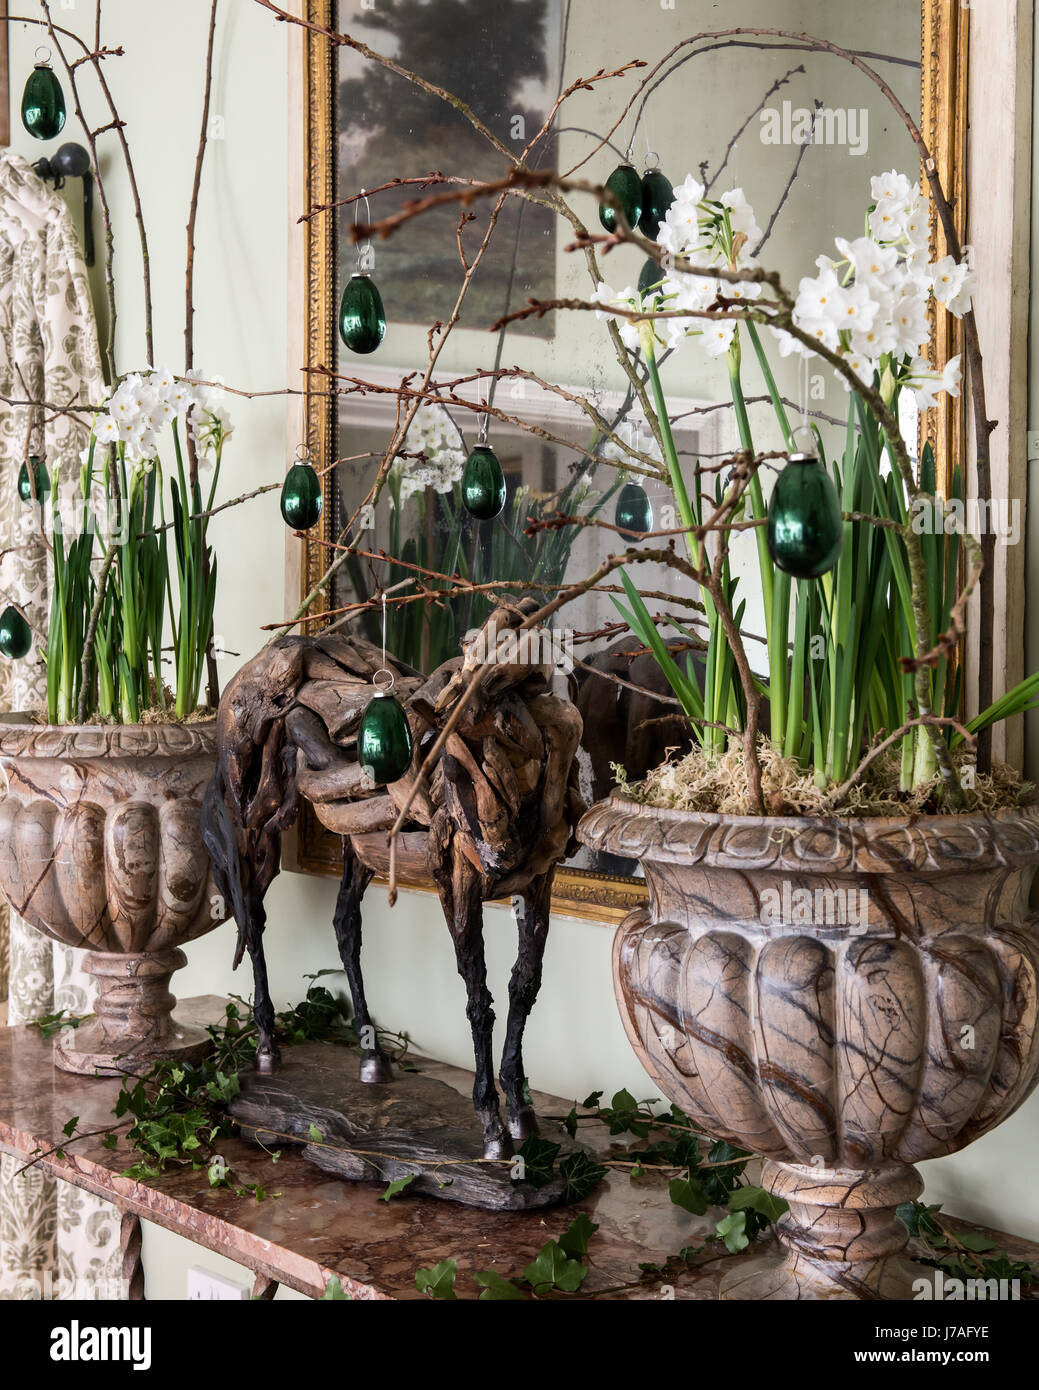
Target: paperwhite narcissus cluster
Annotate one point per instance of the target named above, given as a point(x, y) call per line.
point(870, 304)
point(638, 438)
point(145, 404)
point(433, 434)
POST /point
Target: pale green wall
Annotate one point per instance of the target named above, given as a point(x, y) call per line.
point(576, 1042)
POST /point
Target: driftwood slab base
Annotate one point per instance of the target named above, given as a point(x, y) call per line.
point(413, 1126)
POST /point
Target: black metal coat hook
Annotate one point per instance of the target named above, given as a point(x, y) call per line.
point(73, 162)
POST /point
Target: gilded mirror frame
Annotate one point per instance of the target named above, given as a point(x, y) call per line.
point(944, 38)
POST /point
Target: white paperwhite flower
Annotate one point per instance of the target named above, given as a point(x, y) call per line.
point(788, 344)
point(635, 436)
point(106, 431)
point(210, 428)
point(892, 187)
point(434, 435)
point(741, 215)
point(874, 265)
point(716, 336)
point(162, 383)
point(912, 328)
point(626, 298)
point(927, 384)
point(182, 398)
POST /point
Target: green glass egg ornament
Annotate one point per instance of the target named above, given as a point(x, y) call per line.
point(483, 484)
point(362, 318)
point(40, 480)
point(650, 277)
point(626, 186)
point(634, 509)
point(805, 531)
point(15, 635)
point(657, 197)
point(301, 499)
point(384, 739)
point(43, 103)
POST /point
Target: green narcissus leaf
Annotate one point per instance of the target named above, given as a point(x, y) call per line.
point(495, 1289)
point(438, 1282)
point(396, 1186)
point(554, 1270)
point(689, 1195)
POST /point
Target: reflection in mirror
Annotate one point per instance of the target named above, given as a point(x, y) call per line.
point(787, 139)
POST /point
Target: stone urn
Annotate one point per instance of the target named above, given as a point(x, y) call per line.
point(100, 848)
point(843, 997)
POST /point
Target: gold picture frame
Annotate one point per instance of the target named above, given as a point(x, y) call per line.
point(944, 50)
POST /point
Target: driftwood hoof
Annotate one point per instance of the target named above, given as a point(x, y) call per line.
point(497, 1146)
point(523, 1123)
point(266, 1063)
point(376, 1069)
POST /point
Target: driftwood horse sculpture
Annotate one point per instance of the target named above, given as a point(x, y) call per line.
point(496, 817)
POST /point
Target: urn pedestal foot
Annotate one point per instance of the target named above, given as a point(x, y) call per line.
point(134, 1025)
point(841, 1237)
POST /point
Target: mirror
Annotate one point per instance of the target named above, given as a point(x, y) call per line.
point(800, 132)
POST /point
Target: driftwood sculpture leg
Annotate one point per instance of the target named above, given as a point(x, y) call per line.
point(462, 901)
point(532, 916)
point(375, 1064)
point(267, 1053)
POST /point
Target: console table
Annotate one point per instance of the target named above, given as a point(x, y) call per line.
point(321, 1226)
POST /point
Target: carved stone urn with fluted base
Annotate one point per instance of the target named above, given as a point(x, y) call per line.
point(100, 848)
point(843, 997)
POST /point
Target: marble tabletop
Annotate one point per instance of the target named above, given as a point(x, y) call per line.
point(321, 1226)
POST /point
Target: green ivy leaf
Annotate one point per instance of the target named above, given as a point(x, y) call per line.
point(581, 1175)
point(69, 1128)
point(397, 1185)
point(539, 1159)
point(553, 1270)
point(757, 1199)
point(592, 1102)
point(732, 1229)
point(574, 1240)
point(314, 1133)
point(971, 1240)
point(334, 1291)
point(495, 1288)
point(688, 1194)
point(438, 1282)
point(570, 1123)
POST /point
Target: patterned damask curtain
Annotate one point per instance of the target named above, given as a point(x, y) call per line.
point(55, 1241)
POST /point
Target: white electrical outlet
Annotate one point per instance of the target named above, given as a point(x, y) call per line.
point(204, 1283)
